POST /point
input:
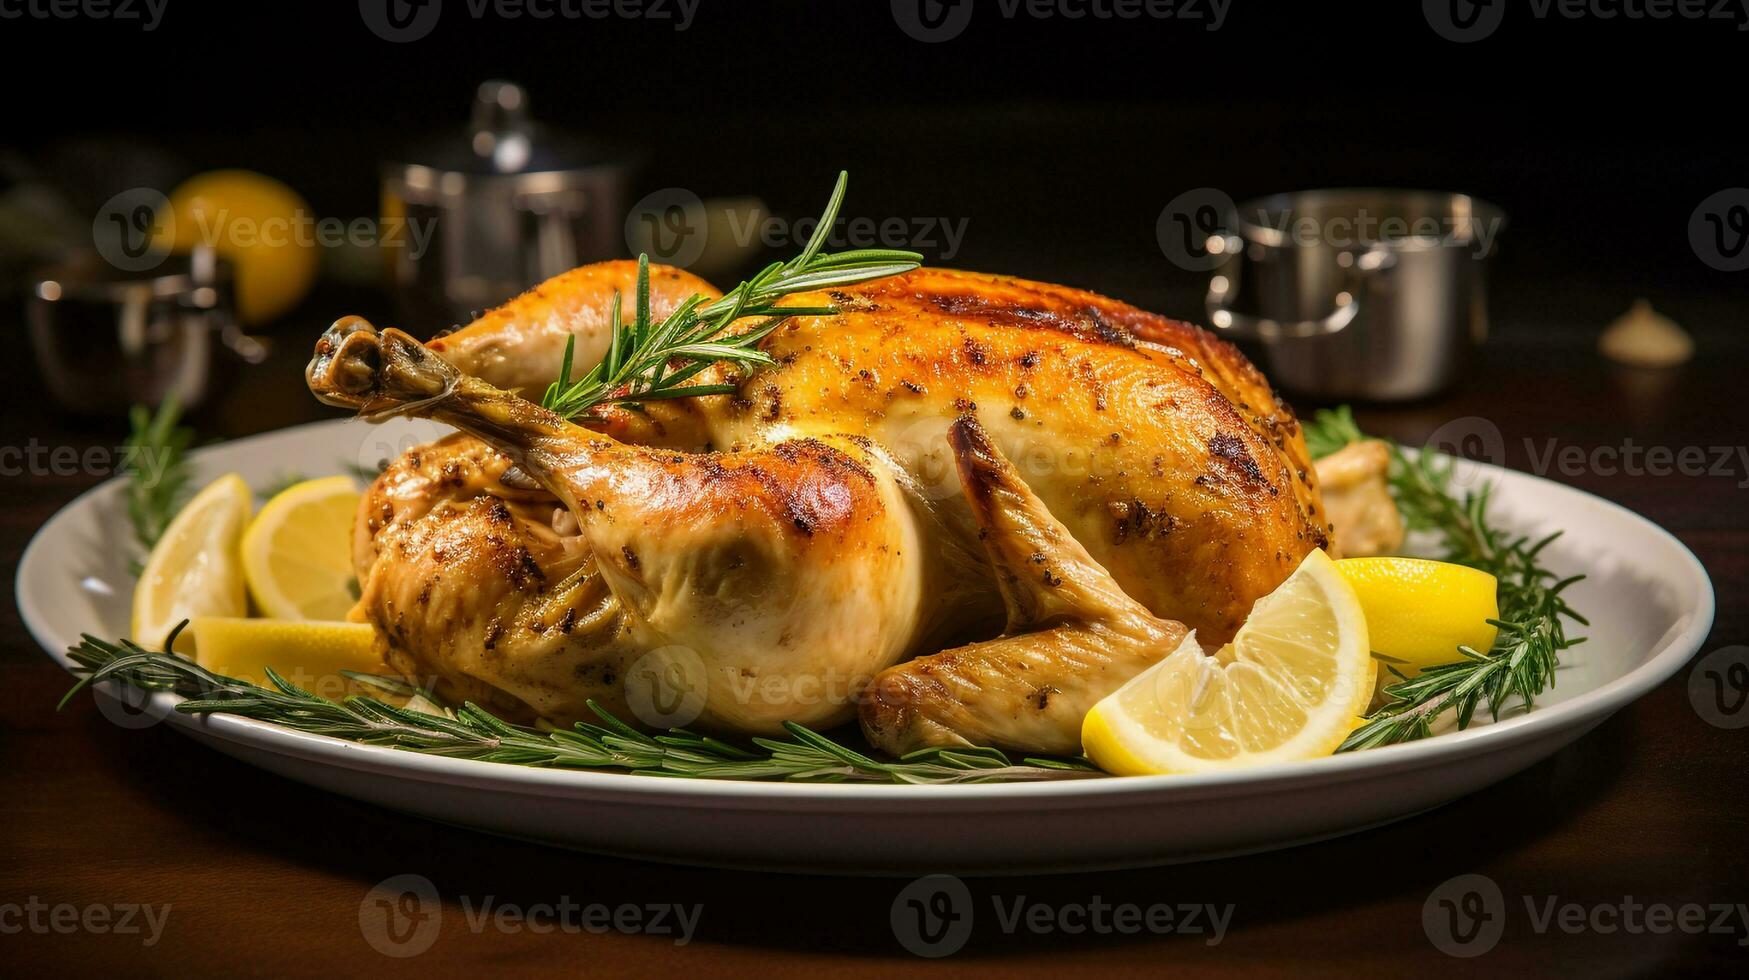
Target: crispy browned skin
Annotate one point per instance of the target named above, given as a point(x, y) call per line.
point(487, 589)
point(789, 575)
point(1159, 447)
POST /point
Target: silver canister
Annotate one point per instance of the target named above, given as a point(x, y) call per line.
point(106, 339)
point(491, 212)
point(1357, 294)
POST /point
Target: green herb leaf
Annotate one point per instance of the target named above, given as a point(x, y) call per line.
point(156, 462)
point(648, 361)
point(471, 732)
point(1329, 430)
point(1532, 629)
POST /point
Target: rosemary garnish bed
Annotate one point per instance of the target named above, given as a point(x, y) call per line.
point(471, 732)
point(1521, 665)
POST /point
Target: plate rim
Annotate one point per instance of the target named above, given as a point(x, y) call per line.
point(1592, 706)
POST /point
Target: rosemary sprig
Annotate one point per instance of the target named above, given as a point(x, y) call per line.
point(471, 732)
point(156, 461)
point(1331, 429)
point(1532, 632)
point(646, 360)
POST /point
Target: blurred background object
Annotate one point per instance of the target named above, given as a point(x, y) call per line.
point(106, 338)
point(478, 216)
point(1359, 294)
point(260, 226)
point(1643, 337)
point(1036, 146)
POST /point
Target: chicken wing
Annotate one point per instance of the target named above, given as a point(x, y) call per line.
point(1073, 636)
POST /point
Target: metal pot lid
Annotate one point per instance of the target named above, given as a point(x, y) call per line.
point(503, 139)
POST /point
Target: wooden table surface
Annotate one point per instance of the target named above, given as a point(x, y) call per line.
point(252, 874)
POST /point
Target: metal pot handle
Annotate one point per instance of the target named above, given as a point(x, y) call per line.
point(1224, 285)
point(215, 310)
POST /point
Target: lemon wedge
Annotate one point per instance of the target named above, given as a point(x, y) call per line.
point(1419, 611)
point(309, 654)
point(193, 569)
point(297, 553)
point(1288, 687)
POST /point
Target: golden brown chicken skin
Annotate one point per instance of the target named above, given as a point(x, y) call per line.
point(1158, 446)
point(519, 345)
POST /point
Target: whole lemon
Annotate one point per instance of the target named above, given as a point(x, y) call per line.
point(261, 226)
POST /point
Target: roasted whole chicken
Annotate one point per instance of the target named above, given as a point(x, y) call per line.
point(961, 509)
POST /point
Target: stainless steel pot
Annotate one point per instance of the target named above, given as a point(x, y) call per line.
point(106, 339)
point(1364, 294)
point(501, 208)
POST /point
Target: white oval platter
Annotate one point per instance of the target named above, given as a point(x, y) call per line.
point(1649, 600)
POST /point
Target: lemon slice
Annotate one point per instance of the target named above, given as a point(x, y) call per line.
point(1288, 687)
point(297, 553)
point(1419, 611)
point(193, 569)
point(309, 654)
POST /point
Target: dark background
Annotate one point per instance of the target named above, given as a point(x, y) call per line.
point(1059, 141)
